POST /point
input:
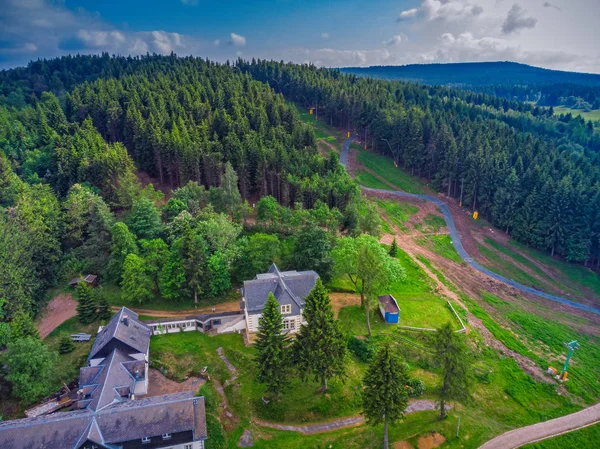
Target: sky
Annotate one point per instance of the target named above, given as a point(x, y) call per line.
point(556, 34)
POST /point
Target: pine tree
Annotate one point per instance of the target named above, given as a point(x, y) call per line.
point(451, 356)
point(86, 303)
point(385, 396)
point(66, 345)
point(320, 347)
point(394, 248)
point(273, 358)
point(103, 307)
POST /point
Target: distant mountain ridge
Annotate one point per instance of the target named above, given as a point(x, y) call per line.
point(476, 74)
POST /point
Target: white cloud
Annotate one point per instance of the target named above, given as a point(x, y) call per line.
point(449, 10)
point(408, 14)
point(217, 42)
point(395, 40)
point(96, 39)
point(325, 35)
point(237, 40)
point(517, 19)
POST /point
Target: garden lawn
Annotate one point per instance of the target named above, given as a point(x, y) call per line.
point(185, 354)
point(67, 365)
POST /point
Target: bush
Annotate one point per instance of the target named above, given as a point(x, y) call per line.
point(416, 387)
point(363, 350)
point(66, 345)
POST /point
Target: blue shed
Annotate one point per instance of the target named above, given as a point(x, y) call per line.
point(388, 306)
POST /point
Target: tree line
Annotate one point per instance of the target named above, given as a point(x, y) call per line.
point(537, 178)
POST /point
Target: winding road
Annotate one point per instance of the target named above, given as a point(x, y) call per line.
point(457, 242)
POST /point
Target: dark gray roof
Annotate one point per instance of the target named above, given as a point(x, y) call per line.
point(286, 286)
point(111, 380)
point(125, 327)
point(107, 415)
point(129, 420)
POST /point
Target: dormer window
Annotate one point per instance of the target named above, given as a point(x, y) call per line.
point(286, 309)
point(145, 440)
point(166, 436)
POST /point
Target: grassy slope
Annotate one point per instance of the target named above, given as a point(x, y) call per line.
point(441, 244)
point(384, 167)
point(587, 437)
point(397, 213)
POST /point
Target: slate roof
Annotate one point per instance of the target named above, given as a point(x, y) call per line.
point(129, 420)
point(125, 327)
point(111, 380)
point(106, 415)
point(286, 286)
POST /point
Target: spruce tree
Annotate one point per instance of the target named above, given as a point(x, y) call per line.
point(320, 348)
point(451, 356)
point(103, 307)
point(273, 359)
point(385, 396)
point(66, 345)
point(86, 303)
point(394, 248)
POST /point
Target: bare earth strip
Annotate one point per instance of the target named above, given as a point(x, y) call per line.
point(58, 310)
point(541, 431)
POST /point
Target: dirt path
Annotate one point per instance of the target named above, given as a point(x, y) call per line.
point(231, 306)
point(417, 405)
point(59, 309)
point(159, 384)
point(548, 429)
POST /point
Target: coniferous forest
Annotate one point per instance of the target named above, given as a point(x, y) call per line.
point(80, 136)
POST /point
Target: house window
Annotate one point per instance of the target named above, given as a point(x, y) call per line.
point(166, 436)
point(289, 324)
point(188, 446)
point(145, 440)
point(216, 322)
point(286, 309)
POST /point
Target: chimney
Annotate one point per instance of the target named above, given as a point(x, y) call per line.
point(125, 320)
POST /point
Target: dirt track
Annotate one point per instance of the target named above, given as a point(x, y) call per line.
point(58, 310)
point(231, 306)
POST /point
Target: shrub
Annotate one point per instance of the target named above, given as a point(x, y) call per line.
point(363, 350)
point(416, 387)
point(66, 345)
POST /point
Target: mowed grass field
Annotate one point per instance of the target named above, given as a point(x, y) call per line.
point(591, 115)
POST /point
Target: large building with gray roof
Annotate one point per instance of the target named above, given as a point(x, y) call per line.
point(109, 412)
point(289, 288)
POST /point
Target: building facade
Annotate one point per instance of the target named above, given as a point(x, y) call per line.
point(289, 288)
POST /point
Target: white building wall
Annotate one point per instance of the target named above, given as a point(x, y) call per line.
point(191, 445)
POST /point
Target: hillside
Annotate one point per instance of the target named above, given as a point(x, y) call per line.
point(476, 74)
point(579, 92)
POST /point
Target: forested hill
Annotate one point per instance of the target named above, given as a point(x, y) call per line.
point(76, 132)
point(476, 74)
point(504, 79)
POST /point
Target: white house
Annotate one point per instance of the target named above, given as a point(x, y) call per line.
point(289, 288)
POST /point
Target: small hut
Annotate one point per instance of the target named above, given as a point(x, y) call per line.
point(90, 279)
point(388, 306)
